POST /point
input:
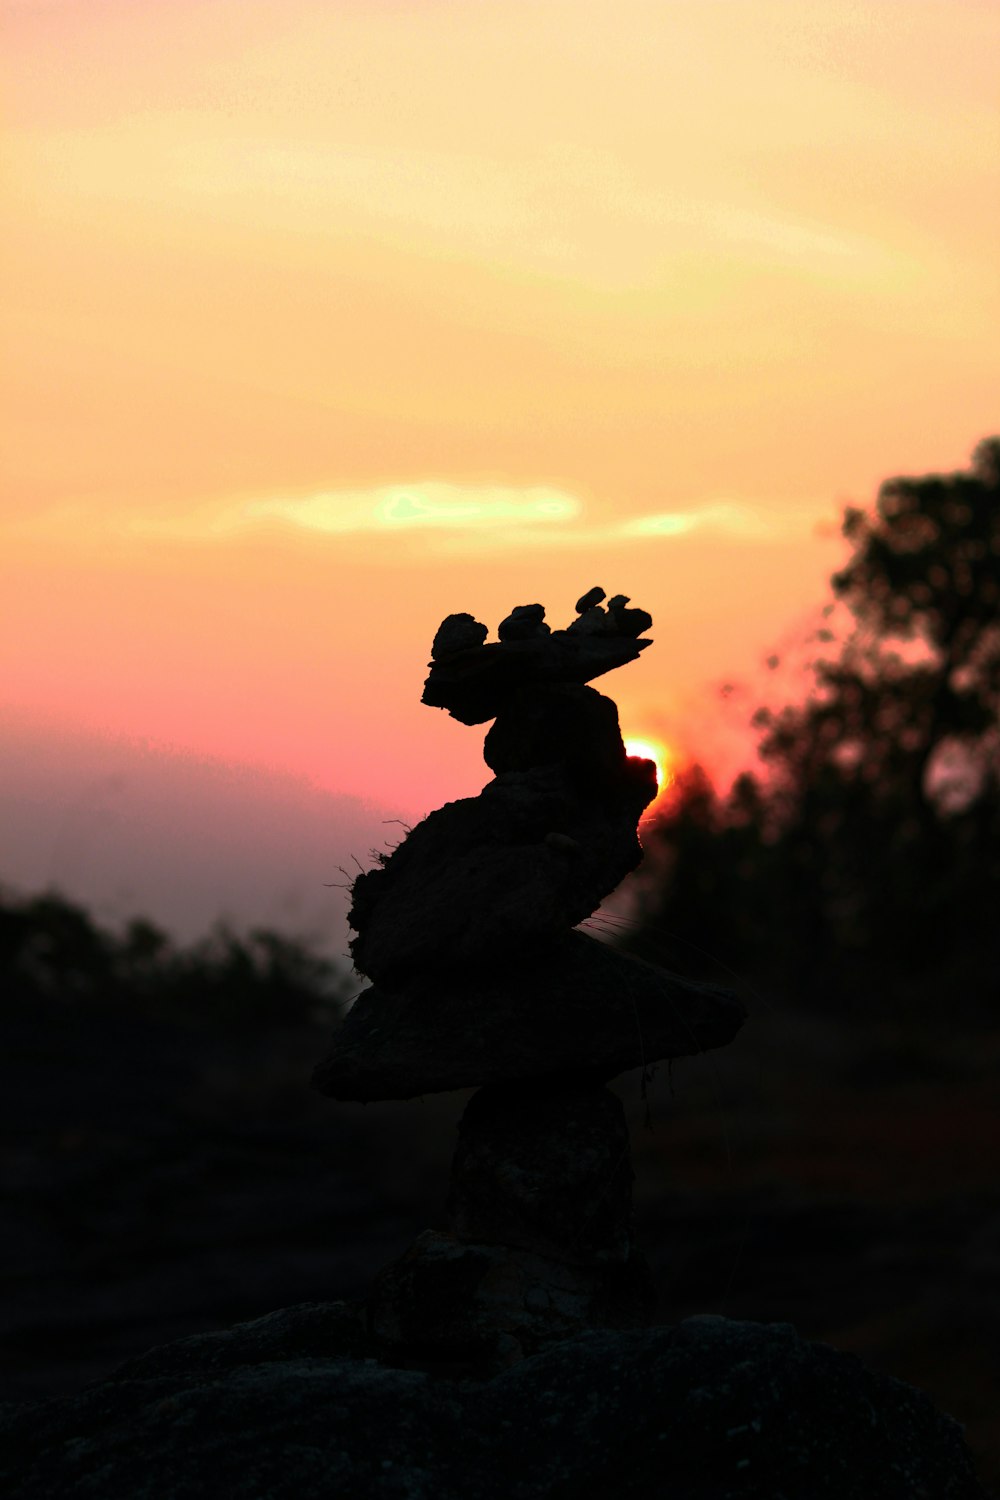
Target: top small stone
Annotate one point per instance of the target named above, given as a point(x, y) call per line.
point(615, 622)
point(524, 623)
point(458, 633)
point(589, 599)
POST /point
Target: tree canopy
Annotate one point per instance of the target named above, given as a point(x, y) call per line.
point(861, 861)
point(53, 952)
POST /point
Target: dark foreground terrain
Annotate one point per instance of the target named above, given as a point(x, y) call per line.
point(299, 1404)
point(165, 1179)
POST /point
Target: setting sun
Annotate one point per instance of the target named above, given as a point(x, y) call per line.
point(659, 754)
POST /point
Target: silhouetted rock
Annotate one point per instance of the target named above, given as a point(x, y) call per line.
point(526, 622)
point(613, 623)
point(483, 1307)
point(707, 1410)
point(478, 879)
point(545, 1169)
point(457, 633)
point(580, 1008)
point(466, 929)
point(594, 621)
point(589, 599)
point(560, 724)
point(630, 622)
point(475, 684)
point(310, 1330)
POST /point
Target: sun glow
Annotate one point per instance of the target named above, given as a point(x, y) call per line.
point(661, 756)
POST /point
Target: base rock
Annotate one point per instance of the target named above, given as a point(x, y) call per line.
point(481, 1307)
point(708, 1410)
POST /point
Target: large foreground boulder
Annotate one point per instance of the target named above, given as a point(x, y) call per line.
point(293, 1406)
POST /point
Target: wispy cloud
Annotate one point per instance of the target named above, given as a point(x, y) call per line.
point(728, 520)
point(476, 518)
point(738, 519)
point(491, 515)
point(430, 505)
point(586, 214)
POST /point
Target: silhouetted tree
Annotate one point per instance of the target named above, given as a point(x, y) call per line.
point(864, 860)
point(53, 952)
point(921, 725)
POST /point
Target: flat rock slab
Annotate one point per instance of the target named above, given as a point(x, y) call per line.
point(581, 1009)
point(711, 1409)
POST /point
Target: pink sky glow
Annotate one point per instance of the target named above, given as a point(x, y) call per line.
point(325, 320)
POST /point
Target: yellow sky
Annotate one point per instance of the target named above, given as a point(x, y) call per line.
point(326, 319)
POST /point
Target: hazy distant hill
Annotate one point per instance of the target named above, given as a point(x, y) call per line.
point(129, 828)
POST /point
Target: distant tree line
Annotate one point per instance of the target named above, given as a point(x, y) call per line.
point(858, 867)
point(53, 952)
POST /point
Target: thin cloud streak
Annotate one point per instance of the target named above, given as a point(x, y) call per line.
point(420, 506)
point(483, 205)
point(478, 518)
point(453, 518)
point(424, 506)
point(736, 518)
point(474, 519)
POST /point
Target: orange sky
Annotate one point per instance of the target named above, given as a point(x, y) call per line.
point(323, 320)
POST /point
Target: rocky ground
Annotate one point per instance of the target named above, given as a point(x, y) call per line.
point(163, 1180)
point(300, 1403)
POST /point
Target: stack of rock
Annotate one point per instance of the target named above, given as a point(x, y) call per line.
point(481, 981)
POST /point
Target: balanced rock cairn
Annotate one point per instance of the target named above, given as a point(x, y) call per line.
point(481, 981)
